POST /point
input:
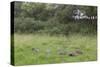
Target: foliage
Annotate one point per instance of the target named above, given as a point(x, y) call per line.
point(52, 18)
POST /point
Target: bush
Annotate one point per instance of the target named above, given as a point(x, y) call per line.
point(52, 27)
point(27, 25)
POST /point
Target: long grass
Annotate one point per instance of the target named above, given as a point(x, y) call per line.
point(23, 44)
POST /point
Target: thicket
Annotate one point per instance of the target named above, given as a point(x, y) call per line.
point(52, 19)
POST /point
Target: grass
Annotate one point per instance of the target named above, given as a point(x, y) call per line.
point(23, 44)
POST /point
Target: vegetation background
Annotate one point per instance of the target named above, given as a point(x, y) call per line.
point(52, 18)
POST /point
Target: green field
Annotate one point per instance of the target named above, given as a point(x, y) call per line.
point(49, 48)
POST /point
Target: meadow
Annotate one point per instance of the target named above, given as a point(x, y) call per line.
point(49, 33)
point(46, 49)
